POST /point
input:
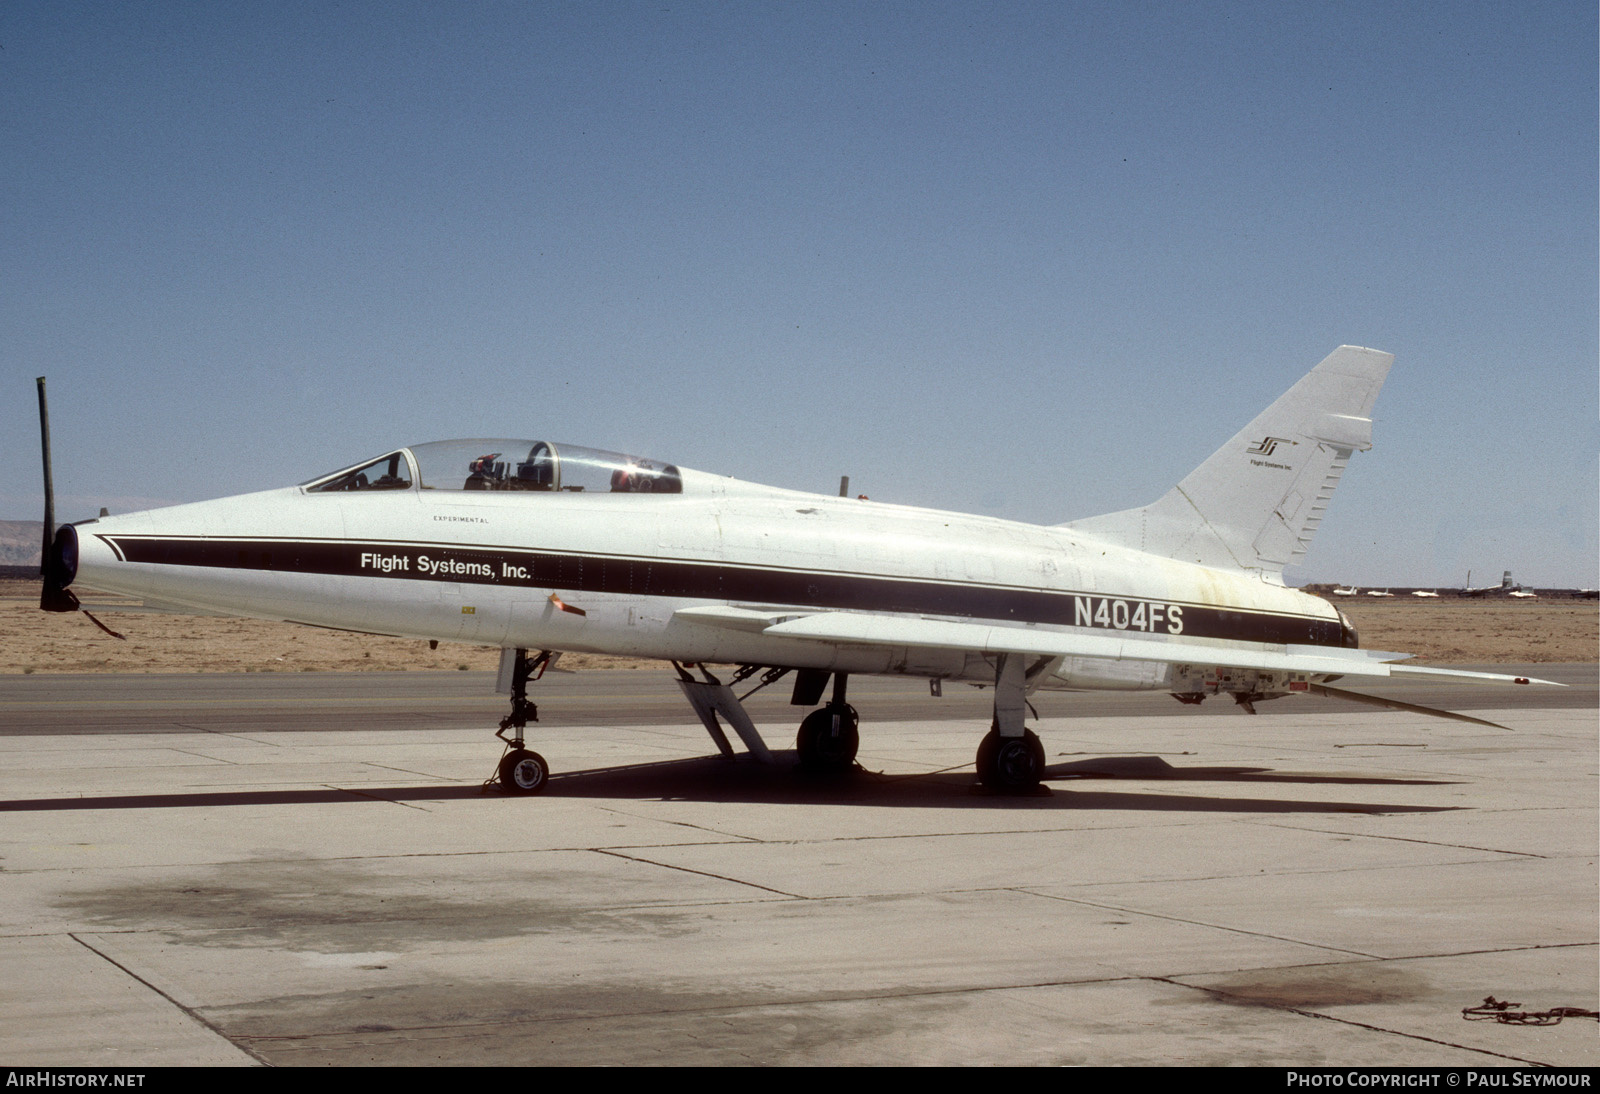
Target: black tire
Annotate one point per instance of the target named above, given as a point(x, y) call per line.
point(523, 772)
point(1011, 765)
point(820, 748)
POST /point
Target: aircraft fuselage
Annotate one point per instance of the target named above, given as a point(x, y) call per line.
point(606, 573)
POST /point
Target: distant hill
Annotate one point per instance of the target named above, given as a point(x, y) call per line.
point(20, 542)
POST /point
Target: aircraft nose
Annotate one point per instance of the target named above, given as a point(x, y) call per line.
point(88, 558)
point(60, 570)
point(62, 565)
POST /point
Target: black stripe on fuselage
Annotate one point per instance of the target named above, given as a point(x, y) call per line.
point(685, 579)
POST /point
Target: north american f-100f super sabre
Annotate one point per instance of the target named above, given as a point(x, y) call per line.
point(537, 547)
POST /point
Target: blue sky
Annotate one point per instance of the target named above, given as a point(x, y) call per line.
point(1032, 260)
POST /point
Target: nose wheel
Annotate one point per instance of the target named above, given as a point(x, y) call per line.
point(523, 772)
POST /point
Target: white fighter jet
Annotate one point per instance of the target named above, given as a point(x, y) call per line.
point(537, 547)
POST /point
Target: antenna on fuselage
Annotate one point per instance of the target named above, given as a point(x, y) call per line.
point(844, 482)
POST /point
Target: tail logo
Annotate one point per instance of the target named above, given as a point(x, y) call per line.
point(1266, 445)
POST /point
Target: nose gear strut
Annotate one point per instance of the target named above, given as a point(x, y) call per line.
point(521, 771)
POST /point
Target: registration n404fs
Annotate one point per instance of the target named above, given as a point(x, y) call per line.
point(539, 547)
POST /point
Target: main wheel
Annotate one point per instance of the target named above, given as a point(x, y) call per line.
point(823, 749)
point(523, 772)
point(1011, 765)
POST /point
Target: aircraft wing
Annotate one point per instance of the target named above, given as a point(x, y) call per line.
point(859, 628)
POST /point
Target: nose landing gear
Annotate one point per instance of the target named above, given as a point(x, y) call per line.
point(521, 771)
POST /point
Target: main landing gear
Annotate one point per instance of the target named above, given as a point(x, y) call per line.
point(828, 738)
point(521, 770)
point(1011, 757)
point(1011, 765)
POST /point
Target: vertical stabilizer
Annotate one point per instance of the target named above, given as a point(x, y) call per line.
point(1256, 503)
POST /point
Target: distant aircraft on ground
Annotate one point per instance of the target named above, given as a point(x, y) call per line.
point(1507, 587)
point(536, 547)
point(1425, 592)
point(1345, 592)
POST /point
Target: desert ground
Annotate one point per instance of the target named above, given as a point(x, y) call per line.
point(1437, 631)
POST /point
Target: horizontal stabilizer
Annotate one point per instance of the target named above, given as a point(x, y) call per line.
point(1465, 677)
point(1395, 704)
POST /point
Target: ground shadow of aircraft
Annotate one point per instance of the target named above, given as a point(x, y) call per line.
point(712, 779)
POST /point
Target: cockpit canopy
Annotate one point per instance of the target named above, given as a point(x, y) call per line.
point(498, 464)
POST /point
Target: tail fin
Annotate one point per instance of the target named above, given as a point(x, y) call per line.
point(1256, 503)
